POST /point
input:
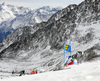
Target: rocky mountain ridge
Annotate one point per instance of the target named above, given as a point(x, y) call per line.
point(44, 47)
point(13, 17)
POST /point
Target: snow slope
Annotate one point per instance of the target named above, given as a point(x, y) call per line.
point(82, 72)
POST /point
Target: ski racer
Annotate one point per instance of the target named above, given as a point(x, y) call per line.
point(71, 61)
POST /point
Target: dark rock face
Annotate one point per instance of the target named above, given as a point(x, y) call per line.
point(88, 55)
point(59, 28)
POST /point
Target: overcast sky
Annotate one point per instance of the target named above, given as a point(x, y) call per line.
point(39, 3)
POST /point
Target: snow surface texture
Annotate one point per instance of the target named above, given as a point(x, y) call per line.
point(13, 17)
point(82, 72)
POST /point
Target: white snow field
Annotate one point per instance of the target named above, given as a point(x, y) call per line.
point(89, 71)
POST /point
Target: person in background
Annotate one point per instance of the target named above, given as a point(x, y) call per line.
point(33, 71)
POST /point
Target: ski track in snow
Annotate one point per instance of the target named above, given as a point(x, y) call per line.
point(89, 71)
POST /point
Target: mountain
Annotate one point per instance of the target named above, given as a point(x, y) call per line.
point(14, 17)
point(41, 45)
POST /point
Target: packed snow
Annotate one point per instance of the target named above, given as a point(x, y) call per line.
point(89, 71)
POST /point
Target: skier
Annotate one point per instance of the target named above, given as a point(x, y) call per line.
point(71, 60)
point(22, 72)
point(33, 72)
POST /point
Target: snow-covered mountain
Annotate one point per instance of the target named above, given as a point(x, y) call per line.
point(41, 45)
point(14, 17)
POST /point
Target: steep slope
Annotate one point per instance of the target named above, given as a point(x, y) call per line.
point(13, 17)
point(44, 47)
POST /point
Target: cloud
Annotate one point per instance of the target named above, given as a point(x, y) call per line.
point(31, 4)
point(39, 3)
point(25, 4)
